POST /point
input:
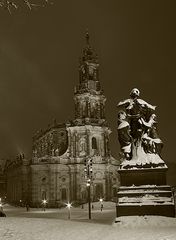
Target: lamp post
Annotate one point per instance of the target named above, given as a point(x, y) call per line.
point(117, 206)
point(88, 175)
point(69, 205)
point(44, 202)
point(89, 200)
point(101, 204)
point(1, 205)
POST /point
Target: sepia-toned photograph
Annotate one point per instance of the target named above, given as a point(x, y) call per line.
point(87, 120)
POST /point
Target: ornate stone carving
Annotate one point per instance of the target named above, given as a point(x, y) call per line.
point(137, 132)
point(82, 146)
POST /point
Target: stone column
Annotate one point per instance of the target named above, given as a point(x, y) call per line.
point(76, 145)
point(88, 141)
point(69, 142)
point(89, 108)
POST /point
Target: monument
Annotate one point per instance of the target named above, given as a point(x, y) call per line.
point(142, 171)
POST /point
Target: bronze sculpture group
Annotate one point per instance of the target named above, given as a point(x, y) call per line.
point(137, 131)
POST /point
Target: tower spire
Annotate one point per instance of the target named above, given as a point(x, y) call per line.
point(89, 98)
point(88, 69)
point(87, 37)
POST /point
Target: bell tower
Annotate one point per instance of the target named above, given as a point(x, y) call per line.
point(88, 133)
point(89, 98)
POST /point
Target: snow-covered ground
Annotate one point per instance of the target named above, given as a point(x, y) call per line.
point(53, 224)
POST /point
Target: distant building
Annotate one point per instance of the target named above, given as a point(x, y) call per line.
point(2, 182)
point(17, 172)
point(57, 169)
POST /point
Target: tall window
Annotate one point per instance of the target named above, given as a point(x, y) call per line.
point(94, 143)
point(99, 190)
point(64, 194)
point(43, 194)
point(43, 188)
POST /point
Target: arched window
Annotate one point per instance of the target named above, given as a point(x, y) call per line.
point(44, 180)
point(94, 143)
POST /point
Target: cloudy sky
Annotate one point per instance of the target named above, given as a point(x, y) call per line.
point(39, 52)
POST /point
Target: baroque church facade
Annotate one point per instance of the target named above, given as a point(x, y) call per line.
point(60, 153)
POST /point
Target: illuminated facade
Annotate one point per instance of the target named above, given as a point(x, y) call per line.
point(57, 168)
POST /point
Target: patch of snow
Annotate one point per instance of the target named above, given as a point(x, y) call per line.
point(147, 199)
point(130, 101)
point(140, 159)
point(149, 222)
point(55, 225)
point(142, 102)
point(124, 102)
point(123, 124)
point(142, 186)
point(143, 191)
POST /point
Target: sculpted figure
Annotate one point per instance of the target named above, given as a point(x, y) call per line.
point(137, 131)
point(124, 134)
point(150, 139)
point(136, 108)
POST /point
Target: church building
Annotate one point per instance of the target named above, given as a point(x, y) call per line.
point(58, 169)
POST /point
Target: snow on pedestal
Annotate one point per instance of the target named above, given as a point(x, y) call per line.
point(141, 160)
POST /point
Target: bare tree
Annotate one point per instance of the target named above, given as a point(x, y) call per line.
point(30, 4)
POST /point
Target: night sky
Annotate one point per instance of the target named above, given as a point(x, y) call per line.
point(39, 53)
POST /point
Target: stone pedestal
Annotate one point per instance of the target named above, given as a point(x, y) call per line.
point(144, 191)
point(143, 176)
point(143, 188)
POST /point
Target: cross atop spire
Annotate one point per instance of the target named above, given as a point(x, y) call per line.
point(88, 53)
point(87, 37)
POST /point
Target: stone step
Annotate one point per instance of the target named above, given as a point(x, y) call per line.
point(141, 210)
point(160, 187)
point(149, 191)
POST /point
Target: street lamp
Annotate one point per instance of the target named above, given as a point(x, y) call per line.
point(1, 205)
point(88, 169)
point(116, 210)
point(89, 200)
point(44, 202)
point(101, 204)
point(69, 205)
